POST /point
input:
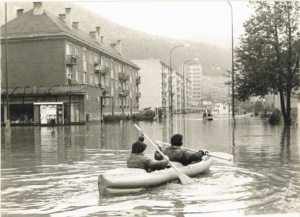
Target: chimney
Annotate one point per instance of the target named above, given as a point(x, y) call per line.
point(75, 25)
point(38, 8)
point(68, 17)
point(20, 12)
point(102, 39)
point(93, 34)
point(119, 46)
point(62, 17)
point(113, 45)
point(98, 34)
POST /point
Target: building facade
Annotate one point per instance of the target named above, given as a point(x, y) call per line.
point(178, 90)
point(154, 88)
point(58, 72)
point(195, 75)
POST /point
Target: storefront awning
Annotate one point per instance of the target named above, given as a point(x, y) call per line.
point(46, 90)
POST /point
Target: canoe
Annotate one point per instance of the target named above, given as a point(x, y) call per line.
point(128, 180)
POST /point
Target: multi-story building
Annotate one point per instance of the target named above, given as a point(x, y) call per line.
point(178, 90)
point(57, 71)
point(187, 95)
point(154, 88)
point(195, 75)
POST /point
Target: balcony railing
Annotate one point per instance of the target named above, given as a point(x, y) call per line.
point(123, 76)
point(102, 70)
point(123, 93)
point(71, 60)
point(138, 80)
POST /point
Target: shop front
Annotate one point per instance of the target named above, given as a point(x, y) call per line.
point(49, 113)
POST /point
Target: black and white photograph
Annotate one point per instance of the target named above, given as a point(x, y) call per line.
point(150, 108)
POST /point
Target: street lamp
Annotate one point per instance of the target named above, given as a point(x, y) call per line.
point(184, 80)
point(170, 77)
point(232, 62)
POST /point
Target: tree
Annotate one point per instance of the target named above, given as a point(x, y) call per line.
point(267, 59)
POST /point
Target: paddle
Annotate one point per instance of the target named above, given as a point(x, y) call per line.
point(218, 156)
point(184, 179)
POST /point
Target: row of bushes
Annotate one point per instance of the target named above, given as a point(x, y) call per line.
point(147, 115)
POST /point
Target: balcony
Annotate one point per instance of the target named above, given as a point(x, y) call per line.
point(138, 80)
point(138, 94)
point(104, 89)
point(71, 60)
point(102, 70)
point(123, 76)
point(124, 93)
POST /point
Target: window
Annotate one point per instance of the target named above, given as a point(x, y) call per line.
point(69, 73)
point(84, 77)
point(112, 90)
point(96, 80)
point(76, 51)
point(77, 75)
point(120, 68)
point(68, 49)
point(91, 78)
point(112, 73)
point(84, 60)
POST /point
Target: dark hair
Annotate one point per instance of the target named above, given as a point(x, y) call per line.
point(141, 139)
point(176, 140)
point(138, 147)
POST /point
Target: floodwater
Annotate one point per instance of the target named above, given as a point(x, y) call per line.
point(53, 172)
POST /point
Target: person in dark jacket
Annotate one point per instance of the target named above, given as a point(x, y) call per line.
point(137, 159)
point(176, 153)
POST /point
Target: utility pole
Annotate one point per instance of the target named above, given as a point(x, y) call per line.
point(232, 64)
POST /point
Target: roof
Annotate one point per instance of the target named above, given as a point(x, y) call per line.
point(47, 24)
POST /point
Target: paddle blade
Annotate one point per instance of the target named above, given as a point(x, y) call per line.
point(184, 179)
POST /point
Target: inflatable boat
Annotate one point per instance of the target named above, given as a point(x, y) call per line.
point(129, 180)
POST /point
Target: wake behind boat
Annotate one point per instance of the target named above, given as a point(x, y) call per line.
point(130, 180)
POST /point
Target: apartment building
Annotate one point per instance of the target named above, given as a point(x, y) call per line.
point(195, 75)
point(154, 88)
point(57, 71)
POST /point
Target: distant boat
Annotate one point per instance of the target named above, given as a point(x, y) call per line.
point(207, 116)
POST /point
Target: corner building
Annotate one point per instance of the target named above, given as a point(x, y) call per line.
point(57, 71)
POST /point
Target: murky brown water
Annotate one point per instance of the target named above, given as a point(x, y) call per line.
point(54, 173)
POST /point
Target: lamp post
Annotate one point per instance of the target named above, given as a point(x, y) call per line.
point(232, 63)
point(184, 80)
point(170, 78)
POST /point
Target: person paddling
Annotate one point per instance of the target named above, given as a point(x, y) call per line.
point(176, 153)
point(137, 159)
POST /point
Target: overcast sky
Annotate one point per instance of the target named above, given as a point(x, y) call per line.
point(204, 21)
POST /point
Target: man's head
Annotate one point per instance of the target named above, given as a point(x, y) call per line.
point(176, 140)
point(138, 147)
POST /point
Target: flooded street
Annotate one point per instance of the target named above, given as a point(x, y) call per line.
point(47, 172)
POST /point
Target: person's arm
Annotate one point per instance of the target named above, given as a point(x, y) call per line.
point(157, 155)
point(190, 156)
point(157, 165)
